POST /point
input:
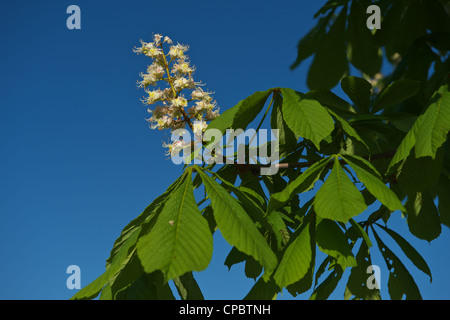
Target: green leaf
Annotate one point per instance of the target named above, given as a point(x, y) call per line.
point(402, 121)
point(305, 117)
point(236, 226)
point(263, 290)
point(137, 226)
point(331, 101)
point(419, 174)
point(326, 288)
point(400, 284)
point(398, 91)
point(357, 281)
point(240, 116)
point(338, 198)
point(358, 90)
point(129, 272)
point(347, 128)
point(147, 287)
point(252, 268)
point(234, 257)
point(330, 61)
point(279, 228)
point(187, 287)
point(286, 138)
point(306, 282)
point(361, 232)
point(106, 293)
point(409, 251)
point(365, 172)
point(297, 259)
point(363, 53)
point(423, 217)
point(125, 243)
point(180, 241)
point(302, 183)
point(332, 241)
point(309, 43)
point(435, 125)
point(405, 147)
point(444, 200)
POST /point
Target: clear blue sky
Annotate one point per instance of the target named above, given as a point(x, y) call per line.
point(77, 159)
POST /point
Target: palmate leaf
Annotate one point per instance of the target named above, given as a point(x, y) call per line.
point(331, 101)
point(357, 281)
point(419, 174)
point(371, 179)
point(444, 200)
point(307, 118)
point(302, 183)
point(338, 198)
point(363, 53)
point(132, 283)
point(429, 131)
point(298, 257)
point(398, 91)
point(330, 61)
point(326, 288)
point(263, 290)
point(435, 125)
point(409, 251)
point(135, 226)
point(358, 90)
point(423, 217)
point(188, 288)
point(147, 287)
point(407, 144)
point(180, 241)
point(240, 116)
point(332, 241)
point(236, 226)
point(310, 42)
point(125, 243)
point(286, 138)
point(400, 283)
point(347, 128)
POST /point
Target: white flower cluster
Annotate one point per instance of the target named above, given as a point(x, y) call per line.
point(175, 70)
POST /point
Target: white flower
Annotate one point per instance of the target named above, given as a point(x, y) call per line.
point(152, 51)
point(167, 40)
point(154, 96)
point(147, 79)
point(182, 67)
point(156, 70)
point(175, 147)
point(211, 115)
point(179, 102)
point(157, 39)
point(199, 127)
point(199, 94)
point(177, 51)
point(183, 83)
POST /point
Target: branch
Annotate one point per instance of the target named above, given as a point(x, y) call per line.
point(383, 155)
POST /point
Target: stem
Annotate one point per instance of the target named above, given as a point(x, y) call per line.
point(384, 155)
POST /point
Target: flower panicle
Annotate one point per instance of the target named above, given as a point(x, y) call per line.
point(175, 71)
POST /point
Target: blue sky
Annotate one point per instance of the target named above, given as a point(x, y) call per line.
point(77, 159)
